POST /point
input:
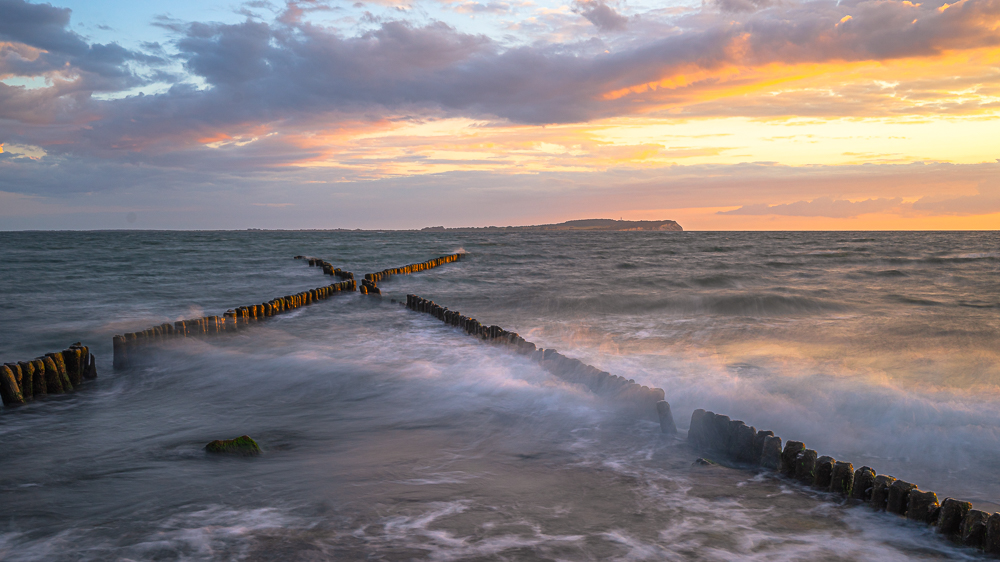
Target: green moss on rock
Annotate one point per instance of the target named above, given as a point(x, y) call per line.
point(243, 446)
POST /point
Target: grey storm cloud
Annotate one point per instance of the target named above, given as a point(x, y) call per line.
point(289, 70)
point(819, 207)
point(603, 17)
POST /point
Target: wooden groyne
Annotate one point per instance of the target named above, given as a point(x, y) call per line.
point(328, 268)
point(369, 285)
point(647, 402)
point(126, 346)
point(744, 445)
point(53, 373)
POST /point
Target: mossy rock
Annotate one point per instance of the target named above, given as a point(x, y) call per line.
point(243, 446)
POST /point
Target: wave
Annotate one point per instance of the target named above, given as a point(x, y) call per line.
point(743, 304)
point(914, 300)
point(886, 273)
point(715, 281)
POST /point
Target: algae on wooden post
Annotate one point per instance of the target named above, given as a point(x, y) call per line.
point(243, 446)
point(923, 506)
point(864, 482)
point(770, 456)
point(15, 369)
point(880, 491)
point(824, 472)
point(71, 359)
point(9, 391)
point(899, 497)
point(953, 512)
point(40, 386)
point(842, 478)
point(974, 528)
point(805, 466)
point(992, 544)
point(792, 450)
point(53, 382)
point(57, 358)
point(27, 382)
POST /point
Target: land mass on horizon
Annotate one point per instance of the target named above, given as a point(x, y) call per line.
point(607, 225)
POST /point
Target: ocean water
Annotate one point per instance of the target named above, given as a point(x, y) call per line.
point(390, 436)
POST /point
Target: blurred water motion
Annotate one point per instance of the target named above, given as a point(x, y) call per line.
point(390, 436)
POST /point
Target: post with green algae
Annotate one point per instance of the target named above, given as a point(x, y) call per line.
point(9, 390)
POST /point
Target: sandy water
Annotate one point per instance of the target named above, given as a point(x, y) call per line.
point(390, 436)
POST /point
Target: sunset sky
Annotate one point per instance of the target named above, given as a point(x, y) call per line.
point(722, 114)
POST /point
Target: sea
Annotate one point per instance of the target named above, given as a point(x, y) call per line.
point(387, 435)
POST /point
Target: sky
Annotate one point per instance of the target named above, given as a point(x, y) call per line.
point(719, 114)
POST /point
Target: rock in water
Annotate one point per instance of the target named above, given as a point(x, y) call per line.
point(243, 446)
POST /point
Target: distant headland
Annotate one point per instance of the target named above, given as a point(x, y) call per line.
point(605, 225)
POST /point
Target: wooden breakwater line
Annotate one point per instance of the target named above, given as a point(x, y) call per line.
point(328, 268)
point(369, 285)
point(128, 346)
point(745, 445)
point(646, 402)
point(53, 373)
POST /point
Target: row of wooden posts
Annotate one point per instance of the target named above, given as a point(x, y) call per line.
point(328, 268)
point(745, 445)
point(63, 371)
point(648, 402)
point(126, 345)
point(369, 285)
point(53, 373)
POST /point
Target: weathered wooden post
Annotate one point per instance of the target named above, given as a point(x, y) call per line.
point(10, 392)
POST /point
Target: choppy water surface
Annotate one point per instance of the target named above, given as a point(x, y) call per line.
point(390, 436)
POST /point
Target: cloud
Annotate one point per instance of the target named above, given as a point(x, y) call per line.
point(290, 69)
point(742, 5)
point(483, 8)
point(987, 200)
point(259, 99)
point(603, 17)
point(203, 197)
point(41, 32)
point(820, 207)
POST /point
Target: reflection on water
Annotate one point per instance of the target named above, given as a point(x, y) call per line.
point(388, 435)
